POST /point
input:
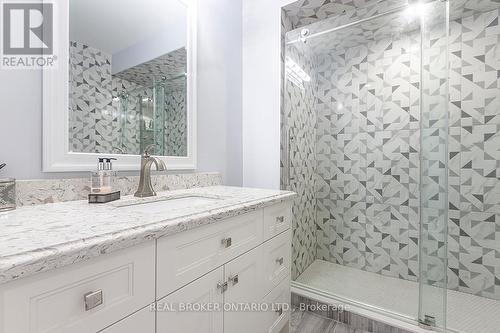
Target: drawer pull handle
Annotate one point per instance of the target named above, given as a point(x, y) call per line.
point(222, 286)
point(279, 261)
point(226, 242)
point(280, 219)
point(92, 299)
point(234, 279)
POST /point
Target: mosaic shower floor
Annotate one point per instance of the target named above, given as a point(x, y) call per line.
point(466, 313)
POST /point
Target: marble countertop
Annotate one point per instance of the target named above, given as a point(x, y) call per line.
point(35, 239)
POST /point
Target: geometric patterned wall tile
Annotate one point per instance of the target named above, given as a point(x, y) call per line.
point(478, 253)
point(176, 122)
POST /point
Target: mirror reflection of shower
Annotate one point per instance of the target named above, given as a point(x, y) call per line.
point(148, 114)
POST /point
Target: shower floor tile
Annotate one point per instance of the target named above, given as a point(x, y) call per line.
point(466, 313)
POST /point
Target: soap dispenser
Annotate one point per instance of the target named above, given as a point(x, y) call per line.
point(101, 182)
point(103, 177)
point(97, 178)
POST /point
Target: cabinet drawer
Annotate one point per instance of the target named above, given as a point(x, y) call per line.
point(278, 301)
point(183, 257)
point(277, 257)
point(277, 219)
point(142, 321)
point(55, 301)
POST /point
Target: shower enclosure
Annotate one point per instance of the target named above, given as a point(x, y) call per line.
point(389, 133)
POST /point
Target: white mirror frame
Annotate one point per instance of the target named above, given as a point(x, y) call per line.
point(56, 154)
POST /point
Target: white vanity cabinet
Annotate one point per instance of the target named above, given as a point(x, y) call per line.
point(216, 278)
point(241, 270)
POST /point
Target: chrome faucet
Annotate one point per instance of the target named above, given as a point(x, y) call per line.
point(145, 187)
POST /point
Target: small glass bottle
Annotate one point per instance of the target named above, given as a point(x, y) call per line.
point(101, 180)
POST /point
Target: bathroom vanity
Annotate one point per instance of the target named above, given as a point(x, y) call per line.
point(211, 259)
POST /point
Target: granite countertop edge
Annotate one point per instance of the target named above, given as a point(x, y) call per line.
point(24, 264)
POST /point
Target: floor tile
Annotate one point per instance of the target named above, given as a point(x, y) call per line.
point(307, 322)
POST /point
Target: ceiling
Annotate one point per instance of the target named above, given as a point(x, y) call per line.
point(114, 25)
point(171, 65)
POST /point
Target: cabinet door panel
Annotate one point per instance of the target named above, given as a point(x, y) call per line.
point(173, 315)
point(249, 289)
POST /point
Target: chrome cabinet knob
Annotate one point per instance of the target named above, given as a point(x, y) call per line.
point(226, 242)
point(222, 286)
point(92, 300)
point(234, 279)
point(280, 219)
point(279, 261)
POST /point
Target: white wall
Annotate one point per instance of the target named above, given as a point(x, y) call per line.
point(261, 92)
point(21, 123)
point(219, 102)
point(219, 88)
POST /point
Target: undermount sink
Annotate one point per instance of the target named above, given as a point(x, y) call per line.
point(160, 204)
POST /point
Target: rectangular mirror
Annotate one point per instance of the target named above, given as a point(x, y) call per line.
point(128, 83)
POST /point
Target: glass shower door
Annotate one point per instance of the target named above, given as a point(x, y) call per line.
point(434, 26)
point(365, 139)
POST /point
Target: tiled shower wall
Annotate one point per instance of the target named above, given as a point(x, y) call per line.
point(474, 163)
point(368, 148)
